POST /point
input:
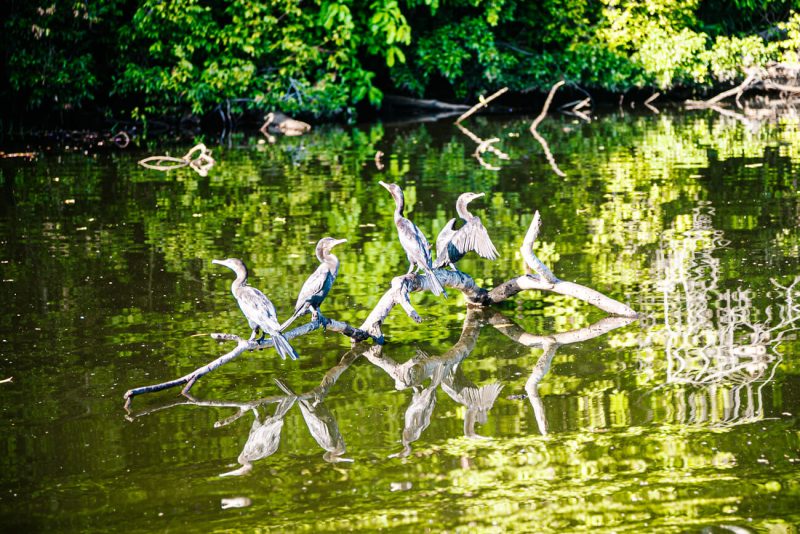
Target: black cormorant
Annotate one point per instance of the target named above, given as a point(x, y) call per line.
point(257, 308)
point(317, 286)
point(413, 240)
point(452, 245)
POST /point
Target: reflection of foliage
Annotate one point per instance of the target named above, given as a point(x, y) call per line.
point(110, 264)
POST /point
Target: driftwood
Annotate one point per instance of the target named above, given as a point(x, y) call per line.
point(484, 145)
point(538, 277)
point(542, 280)
point(198, 159)
point(422, 375)
point(781, 77)
point(483, 102)
point(404, 101)
point(649, 103)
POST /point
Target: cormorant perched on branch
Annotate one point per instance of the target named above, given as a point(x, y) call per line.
point(413, 240)
point(317, 286)
point(452, 245)
point(257, 308)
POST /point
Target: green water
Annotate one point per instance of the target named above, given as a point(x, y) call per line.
point(683, 420)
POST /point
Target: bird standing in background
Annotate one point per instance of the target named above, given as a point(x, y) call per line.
point(413, 240)
point(257, 308)
point(317, 286)
point(452, 245)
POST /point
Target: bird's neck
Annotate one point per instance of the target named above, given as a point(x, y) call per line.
point(461, 209)
point(333, 263)
point(399, 207)
point(241, 281)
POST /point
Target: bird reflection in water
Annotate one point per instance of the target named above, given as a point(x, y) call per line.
point(422, 374)
point(444, 371)
point(264, 438)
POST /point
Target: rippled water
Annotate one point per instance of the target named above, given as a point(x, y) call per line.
point(514, 418)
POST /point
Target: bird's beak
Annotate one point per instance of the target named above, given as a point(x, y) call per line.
point(478, 195)
point(384, 184)
point(339, 241)
point(218, 262)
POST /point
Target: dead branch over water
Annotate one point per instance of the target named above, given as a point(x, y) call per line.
point(483, 102)
point(244, 345)
point(542, 280)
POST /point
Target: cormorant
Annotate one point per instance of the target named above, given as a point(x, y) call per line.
point(452, 245)
point(257, 308)
point(413, 240)
point(317, 286)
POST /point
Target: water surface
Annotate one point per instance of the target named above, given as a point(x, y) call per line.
point(683, 420)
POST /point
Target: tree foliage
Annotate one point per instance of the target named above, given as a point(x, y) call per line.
point(327, 57)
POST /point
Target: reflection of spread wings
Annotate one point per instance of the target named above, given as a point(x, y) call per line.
point(472, 236)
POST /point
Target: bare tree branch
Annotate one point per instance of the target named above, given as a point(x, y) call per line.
point(242, 346)
point(546, 106)
point(483, 102)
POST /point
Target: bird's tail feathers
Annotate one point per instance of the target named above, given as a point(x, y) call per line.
point(282, 346)
point(436, 285)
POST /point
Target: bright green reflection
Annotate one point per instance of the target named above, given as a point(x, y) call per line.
point(682, 420)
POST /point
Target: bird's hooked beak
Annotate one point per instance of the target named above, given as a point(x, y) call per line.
point(338, 242)
point(384, 184)
point(221, 262)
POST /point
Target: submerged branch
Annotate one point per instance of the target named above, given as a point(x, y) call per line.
point(198, 158)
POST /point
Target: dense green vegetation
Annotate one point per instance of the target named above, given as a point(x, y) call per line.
point(326, 57)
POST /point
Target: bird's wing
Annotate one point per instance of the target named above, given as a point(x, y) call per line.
point(313, 285)
point(413, 240)
point(258, 307)
point(473, 236)
point(442, 240)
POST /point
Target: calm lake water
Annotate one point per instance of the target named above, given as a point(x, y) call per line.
point(686, 419)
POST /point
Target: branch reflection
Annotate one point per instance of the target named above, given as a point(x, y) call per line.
point(720, 347)
point(423, 374)
point(446, 371)
point(551, 344)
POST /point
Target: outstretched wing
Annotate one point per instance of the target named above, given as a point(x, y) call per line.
point(442, 240)
point(473, 236)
